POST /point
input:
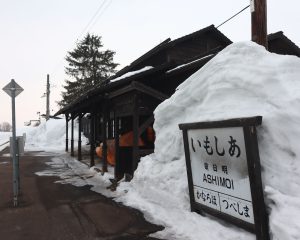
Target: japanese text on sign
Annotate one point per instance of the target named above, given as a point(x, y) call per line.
point(221, 182)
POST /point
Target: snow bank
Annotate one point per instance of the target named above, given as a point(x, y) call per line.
point(4, 138)
point(243, 80)
point(49, 136)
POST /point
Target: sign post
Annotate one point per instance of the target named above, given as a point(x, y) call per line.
point(224, 175)
point(13, 90)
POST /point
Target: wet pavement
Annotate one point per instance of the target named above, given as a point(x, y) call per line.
point(49, 210)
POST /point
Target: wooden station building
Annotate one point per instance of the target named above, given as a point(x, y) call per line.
point(126, 104)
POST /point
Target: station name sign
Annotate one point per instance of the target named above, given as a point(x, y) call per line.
point(224, 173)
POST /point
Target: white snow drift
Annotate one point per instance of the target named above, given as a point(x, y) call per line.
point(243, 80)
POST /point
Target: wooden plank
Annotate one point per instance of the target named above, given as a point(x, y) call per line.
point(135, 126)
point(72, 136)
point(124, 110)
point(104, 138)
point(92, 140)
point(150, 91)
point(67, 132)
point(79, 136)
point(75, 115)
point(118, 174)
point(236, 122)
point(146, 124)
point(96, 126)
point(126, 98)
point(254, 171)
point(144, 111)
point(120, 92)
point(109, 128)
point(140, 87)
point(144, 152)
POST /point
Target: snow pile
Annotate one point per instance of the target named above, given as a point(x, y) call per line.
point(4, 138)
point(48, 136)
point(243, 80)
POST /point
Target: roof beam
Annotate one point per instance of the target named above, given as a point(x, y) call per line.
point(149, 90)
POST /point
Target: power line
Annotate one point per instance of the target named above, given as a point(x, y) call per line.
point(233, 16)
point(91, 20)
point(101, 14)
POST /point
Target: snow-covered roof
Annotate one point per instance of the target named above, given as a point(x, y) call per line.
point(130, 74)
point(189, 63)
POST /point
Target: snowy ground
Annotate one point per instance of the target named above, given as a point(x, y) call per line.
point(243, 80)
point(4, 138)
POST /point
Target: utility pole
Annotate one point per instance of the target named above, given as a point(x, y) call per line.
point(259, 22)
point(48, 99)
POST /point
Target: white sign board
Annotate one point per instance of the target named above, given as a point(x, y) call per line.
point(220, 172)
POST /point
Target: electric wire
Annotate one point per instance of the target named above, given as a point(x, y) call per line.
point(91, 20)
point(98, 17)
point(233, 16)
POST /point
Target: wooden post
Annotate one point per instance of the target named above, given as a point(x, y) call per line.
point(96, 126)
point(79, 136)
point(109, 129)
point(92, 139)
point(72, 135)
point(104, 138)
point(48, 99)
point(135, 126)
point(67, 132)
point(259, 22)
point(117, 147)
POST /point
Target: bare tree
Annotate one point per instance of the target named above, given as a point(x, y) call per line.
point(5, 127)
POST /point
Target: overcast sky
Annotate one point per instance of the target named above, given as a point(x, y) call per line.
point(36, 35)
